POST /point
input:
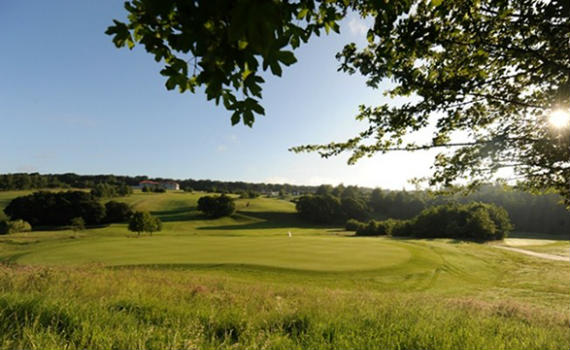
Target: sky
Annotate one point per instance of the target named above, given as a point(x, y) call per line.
point(70, 101)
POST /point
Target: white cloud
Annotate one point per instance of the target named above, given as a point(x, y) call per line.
point(323, 180)
point(357, 26)
point(26, 168)
point(221, 148)
point(233, 138)
point(279, 180)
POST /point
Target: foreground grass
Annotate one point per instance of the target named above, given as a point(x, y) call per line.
point(241, 283)
point(141, 308)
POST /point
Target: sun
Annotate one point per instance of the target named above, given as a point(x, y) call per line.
point(559, 119)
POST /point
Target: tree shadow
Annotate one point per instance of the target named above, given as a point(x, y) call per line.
point(535, 235)
point(267, 220)
point(179, 214)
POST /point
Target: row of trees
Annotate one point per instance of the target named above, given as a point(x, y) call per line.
point(155, 189)
point(25, 181)
point(60, 208)
point(30, 181)
point(105, 190)
point(476, 221)
point(528, 212)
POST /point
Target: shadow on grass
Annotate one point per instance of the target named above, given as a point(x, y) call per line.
point(427, 239)
point(179, 214)
point(267, 220)
point(535, 235)
point(247, 268)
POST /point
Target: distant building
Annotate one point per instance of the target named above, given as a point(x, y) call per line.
point(167, 185)
point(170, 185)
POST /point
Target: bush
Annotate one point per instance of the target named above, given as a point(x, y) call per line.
point(117, 212)
point(368, 229)
point(353, 225)
point(402, 228)
point(77, 224)
point(216, 207)
point(15, 226)
point(478, 221)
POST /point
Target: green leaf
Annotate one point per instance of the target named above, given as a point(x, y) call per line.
point(235, 117)
point(242, 44)
point(275, 68)
point(287, 57)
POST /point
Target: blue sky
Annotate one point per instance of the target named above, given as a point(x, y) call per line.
point(72, 102)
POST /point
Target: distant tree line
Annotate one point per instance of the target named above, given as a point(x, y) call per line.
point(45, 208)
point(27, 181)
point(475, 221)
point(155, 189)
point(105, 190)
point(528, 212)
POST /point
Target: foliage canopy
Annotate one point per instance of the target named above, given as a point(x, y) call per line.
point(490, 70)
point(216, 206)
point(143, 221)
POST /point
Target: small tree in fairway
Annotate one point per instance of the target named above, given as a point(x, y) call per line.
point(142, 221)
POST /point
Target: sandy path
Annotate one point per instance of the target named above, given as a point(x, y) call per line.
point(538, 255)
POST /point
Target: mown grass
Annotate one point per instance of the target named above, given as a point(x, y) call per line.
point(242, 283)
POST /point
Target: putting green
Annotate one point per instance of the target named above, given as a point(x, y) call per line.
point(304, 252)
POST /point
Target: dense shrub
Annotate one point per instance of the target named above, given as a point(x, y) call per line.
point(56, 208)
point(353, 225)
point(15, 226)
point(216, 207)
point(477, 221)
point(323, 209)
point(368, 229)
point(77, 224)
point(117, 212)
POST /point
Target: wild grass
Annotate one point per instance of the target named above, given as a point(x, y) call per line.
point(141, 308)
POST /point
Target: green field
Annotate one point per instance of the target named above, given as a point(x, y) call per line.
point(241, 282)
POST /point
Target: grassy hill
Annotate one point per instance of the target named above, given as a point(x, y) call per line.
point(241, 282)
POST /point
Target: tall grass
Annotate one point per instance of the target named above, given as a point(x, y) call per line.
point(140, 308)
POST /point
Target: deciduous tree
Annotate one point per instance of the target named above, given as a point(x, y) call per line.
point(491, 69)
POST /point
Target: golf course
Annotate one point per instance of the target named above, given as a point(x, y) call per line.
point(263, 278)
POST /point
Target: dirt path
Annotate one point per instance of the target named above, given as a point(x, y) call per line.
point(538, 255)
